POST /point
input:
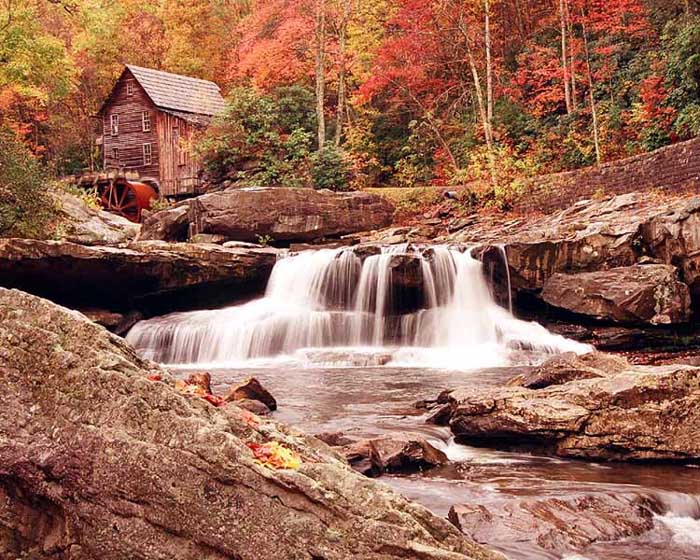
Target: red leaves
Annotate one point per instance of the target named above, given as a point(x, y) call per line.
point(155, 377)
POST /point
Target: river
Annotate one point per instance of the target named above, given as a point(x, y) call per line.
point(344, 347)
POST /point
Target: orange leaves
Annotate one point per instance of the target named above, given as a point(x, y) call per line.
point(194, 390)
point(274, 455)
point(250, 419)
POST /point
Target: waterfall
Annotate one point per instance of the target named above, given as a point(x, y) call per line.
point(342, 299)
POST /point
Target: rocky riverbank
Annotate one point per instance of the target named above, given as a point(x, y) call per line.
point(595, 407)
point(101, 456)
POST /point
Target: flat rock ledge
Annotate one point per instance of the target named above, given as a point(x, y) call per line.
point(101, 457)
point(628, 413)
point(121, 277)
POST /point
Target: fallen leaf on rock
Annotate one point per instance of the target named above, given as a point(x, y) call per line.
point(215, 400)
point(188, 389)
point(155, 377)
point(274, 455)
point(194, 390)
point(249, 418)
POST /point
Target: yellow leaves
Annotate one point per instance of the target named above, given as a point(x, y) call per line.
point(274, 455)
point(194, 390)
point(189, 389)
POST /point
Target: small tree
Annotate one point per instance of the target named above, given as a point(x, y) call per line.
point(27, 208)
point(329, 170)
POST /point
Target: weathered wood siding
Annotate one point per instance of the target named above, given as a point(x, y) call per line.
point(131, 137)
point(179, 169)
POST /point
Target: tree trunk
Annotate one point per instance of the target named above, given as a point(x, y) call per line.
point(572, 57)
point(489, 64)
point(594, 112)
point(565, 57)
point(321, 71)
point(342, 48)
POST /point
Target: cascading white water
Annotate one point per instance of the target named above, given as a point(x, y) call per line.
point(334, 299)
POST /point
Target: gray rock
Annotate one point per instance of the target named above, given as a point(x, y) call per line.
point(287, 214)
point(630, 295)
point(90, 226)
point(631, 413)
point(170, 224)
point(120, 277)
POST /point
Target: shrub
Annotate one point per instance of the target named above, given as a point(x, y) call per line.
point(330, 170)
point(27, 208)
point(261, 139)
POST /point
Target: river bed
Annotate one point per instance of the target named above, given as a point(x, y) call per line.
point(375, 401)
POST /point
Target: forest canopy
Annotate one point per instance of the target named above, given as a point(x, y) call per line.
point(350, 93)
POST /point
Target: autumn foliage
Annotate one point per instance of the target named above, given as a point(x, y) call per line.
point(340, 93)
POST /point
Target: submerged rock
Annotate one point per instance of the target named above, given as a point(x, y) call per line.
point(287, 214)
point(631, 413)
point(558, 524)
point(635, 294)
point(126, 277)
point(395, 453)
point(100, 457)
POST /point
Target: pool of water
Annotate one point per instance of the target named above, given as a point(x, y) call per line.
point(375, 401)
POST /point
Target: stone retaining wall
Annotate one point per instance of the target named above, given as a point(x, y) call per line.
point(673, 169)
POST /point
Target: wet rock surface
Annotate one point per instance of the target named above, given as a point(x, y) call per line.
point(556, 524)
point(134, 276)
point(251, 389)
point(635, 294)
point(100, 457)
point(629, 414)
point(287, 214)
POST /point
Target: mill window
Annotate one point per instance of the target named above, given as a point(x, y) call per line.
point(146, 121)
point(114, 121)
point(147, 154)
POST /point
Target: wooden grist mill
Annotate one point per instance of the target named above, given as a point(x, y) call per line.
point(149, 124)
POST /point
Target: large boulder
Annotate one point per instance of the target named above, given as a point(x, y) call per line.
point(635, 294)
point(170, 224)
point(132, 276)
point(631, 413)
point(287, 214)
point(102, 457)
point(86, 225)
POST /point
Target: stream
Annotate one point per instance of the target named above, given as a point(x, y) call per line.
point(344, 347)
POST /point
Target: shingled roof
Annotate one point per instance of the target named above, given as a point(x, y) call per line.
point(176, 93)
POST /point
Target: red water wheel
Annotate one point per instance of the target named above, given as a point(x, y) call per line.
point(127, 198)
